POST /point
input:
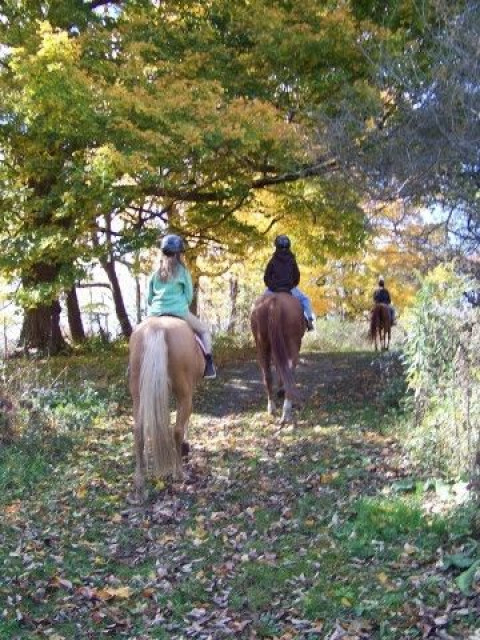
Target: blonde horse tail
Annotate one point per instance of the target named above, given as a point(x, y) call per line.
point(155, 406)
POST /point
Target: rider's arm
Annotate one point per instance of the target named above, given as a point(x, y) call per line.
point(268, 274)
point(295, 274)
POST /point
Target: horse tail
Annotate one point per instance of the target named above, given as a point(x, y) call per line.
point(154, 404)
point(279, 349)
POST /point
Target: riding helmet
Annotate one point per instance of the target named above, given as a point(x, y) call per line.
point(172, 244)
point(381, 280)
point(282, 242)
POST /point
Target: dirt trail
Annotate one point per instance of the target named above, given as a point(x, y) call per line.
point(353, 378)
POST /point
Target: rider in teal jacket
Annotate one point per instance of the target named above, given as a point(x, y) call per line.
point(172, 297)
point(170, 293)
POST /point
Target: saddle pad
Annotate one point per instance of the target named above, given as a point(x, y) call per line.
point(200, 344)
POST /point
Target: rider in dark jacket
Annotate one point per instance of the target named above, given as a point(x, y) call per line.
point(282, 274)
point(382, 295)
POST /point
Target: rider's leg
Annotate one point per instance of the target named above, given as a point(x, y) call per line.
point(206, 337)
point(306, 306)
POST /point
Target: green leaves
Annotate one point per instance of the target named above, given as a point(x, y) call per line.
point(465, 579)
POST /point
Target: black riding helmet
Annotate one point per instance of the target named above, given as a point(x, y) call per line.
point(172, 244)
point(282, 242)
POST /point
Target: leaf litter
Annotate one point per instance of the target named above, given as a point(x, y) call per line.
point(268, 536)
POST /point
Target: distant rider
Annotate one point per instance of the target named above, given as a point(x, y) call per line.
point(382, 295)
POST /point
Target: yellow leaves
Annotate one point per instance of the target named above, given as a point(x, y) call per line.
point(385, 581)
point(326, 478)
point(199, 535)
point(56, 44)
point(81, 492)
point(382, 578)
point(105, 163)
point(108, 593)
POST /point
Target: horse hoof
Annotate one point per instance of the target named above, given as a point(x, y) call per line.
point(185, 450)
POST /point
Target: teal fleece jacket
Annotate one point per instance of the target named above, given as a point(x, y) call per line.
point(172, 297)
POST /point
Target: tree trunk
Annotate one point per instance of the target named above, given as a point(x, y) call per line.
point(232, 325)
point(75, 317)
point(138, 299)
point(41, 324)
point(120, 309)
point(41, 330)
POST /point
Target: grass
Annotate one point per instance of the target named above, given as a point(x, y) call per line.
point(276, 532)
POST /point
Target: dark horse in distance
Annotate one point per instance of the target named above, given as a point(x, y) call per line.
point(380, 326)
point(278, 326)
point(165, 359)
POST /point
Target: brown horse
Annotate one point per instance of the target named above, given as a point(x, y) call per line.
point(278, 326)
point(380, 326)
point(164, 358)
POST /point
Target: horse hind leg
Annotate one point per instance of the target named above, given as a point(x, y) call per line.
point(268, 382)
point(184, 411)
point(271, 406)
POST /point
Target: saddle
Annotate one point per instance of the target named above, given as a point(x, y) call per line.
point(195, 335)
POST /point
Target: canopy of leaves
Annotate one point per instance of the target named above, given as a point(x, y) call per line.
point(422, 144)
point(171, 113)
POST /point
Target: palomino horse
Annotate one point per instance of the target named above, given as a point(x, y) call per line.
point(164, 358)
point(278, 326)
point(380, 325)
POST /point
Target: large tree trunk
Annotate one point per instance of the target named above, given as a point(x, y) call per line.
point(41, 324)
point(41, 330)
point(75, 317)
point(120, 309)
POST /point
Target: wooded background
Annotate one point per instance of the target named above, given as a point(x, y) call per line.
point(351, 126)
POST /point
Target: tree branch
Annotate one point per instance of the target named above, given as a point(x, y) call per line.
point(95, 4)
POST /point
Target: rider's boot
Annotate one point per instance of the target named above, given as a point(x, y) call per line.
point(210, 372)
point(309, 323)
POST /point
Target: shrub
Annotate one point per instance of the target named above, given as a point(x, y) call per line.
point(442, 350)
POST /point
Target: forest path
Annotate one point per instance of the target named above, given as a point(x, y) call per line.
point(315, 530)
point(353, 377)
